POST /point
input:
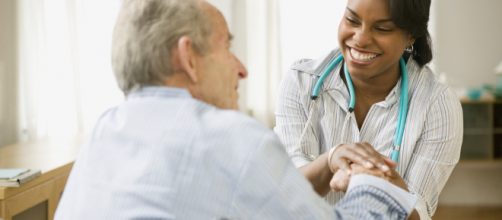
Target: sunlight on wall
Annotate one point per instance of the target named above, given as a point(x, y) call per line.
point(65, 78)
point(308, 28)
point(99, 88)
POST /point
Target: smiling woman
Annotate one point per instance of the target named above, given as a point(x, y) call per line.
point(385, 46)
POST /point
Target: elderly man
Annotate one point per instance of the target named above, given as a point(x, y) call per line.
point(177, 149)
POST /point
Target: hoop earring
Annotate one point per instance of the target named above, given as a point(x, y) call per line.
point(409, 49)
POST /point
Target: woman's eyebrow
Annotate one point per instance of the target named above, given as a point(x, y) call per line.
point(378, 21)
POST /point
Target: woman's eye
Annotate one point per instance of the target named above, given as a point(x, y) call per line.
point(384, 29)
point(351, 20)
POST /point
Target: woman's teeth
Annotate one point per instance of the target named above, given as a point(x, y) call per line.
point(362, 56)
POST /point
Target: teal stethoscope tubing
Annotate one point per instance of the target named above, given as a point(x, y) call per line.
point(403, 106)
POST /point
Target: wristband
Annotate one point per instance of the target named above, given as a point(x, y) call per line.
point(330, 155)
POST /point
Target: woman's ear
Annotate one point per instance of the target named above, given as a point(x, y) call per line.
point(411, 40)
point(187, 57)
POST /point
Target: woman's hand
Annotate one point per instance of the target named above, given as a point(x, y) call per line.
point(397, 180)
point(360, 153)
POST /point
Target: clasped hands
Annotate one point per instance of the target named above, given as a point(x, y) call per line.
point(350, 159)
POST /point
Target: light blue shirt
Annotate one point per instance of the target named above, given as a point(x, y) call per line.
point(165, 155)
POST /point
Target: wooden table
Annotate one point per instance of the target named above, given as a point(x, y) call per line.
point(53, 158)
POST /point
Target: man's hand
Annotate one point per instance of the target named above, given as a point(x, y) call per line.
point(348, 159)
point(340, 180)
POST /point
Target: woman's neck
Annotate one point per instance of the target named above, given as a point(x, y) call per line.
point(372, 90)
point(376, 89)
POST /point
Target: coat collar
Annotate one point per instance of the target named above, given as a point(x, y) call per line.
point(335, 86)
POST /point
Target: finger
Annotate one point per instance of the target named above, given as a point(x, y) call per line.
point(348, 156)
point(364, 154)
point(339, 181)
point(357, 154)
point(335, 185)
point(332, 185)
point(356, 169)
point(370, 155)
point(392, 164)
point(393, 173)
point(344, 164)
point(366, 160)
point(375, 157)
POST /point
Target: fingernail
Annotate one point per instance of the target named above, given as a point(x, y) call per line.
point(385, 168)
point(368, 164)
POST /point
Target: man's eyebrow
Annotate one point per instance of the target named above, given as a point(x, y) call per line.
point(379, 21)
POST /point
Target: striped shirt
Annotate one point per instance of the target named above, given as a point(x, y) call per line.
point(165, 155)
point(432, 136)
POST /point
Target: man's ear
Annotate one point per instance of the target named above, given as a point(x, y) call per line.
point(187, 57)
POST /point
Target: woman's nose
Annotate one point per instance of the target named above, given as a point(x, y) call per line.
point(362, 37)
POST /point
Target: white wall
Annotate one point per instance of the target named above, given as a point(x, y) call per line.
point(8, 104)
point(309, 28)
point(468, 40)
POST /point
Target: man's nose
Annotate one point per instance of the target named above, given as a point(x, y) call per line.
point(241, 69)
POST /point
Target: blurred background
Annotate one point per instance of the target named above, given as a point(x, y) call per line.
point(56, 78)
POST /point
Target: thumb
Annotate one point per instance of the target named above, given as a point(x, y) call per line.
point(344, 165)
point(392, 164)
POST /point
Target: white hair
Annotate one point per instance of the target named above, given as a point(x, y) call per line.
point(145, 33)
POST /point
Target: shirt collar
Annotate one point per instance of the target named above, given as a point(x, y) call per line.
point(395, 94)
point(334, 84)
point(159, 91)
point(316, 66)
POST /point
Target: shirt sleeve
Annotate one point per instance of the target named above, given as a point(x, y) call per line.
point(291, 116)
point(371, 197)
point(270, 187)
point(436, 153)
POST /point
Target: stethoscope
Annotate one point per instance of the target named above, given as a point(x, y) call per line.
point(403, 107)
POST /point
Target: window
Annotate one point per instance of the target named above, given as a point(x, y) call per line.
point(65, 77)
